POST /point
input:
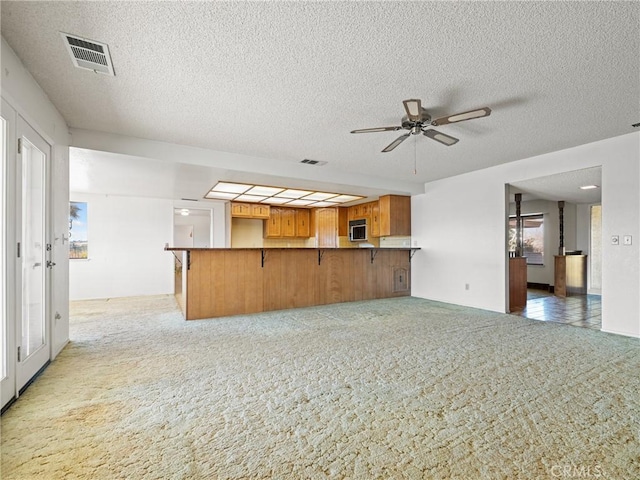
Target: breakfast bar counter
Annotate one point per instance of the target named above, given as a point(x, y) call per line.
point(216, 282)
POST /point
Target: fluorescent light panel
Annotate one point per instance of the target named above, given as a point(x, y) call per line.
point(300, 203)
point(291, 193)
point(320, 196)
point(221, 195)
point(588, 187)
point(231, 187)
point(264, 191)
point(250, 198)
point(244, 192)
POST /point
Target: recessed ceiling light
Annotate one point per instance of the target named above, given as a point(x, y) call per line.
point(588, 187)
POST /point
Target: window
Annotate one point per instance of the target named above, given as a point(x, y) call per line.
point(78, 244)
point(532, 237)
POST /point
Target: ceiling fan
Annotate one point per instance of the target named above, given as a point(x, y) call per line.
point(417, 120)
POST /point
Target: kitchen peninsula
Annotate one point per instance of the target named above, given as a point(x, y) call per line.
point(215, 282)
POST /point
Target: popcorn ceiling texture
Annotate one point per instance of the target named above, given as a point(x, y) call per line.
point(395, 388)
point(283, 81)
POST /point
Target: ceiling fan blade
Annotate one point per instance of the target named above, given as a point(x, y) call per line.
point(376, 129)
point(460, 117)
point(441, 137)
point(414, 109)
point(396, 142)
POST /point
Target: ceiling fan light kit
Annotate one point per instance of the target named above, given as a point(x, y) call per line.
point(417, 120)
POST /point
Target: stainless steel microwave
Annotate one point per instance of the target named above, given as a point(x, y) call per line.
point(358, 230)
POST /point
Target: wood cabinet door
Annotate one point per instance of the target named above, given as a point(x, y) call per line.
point(327, 227)
point(273, 226)
point(375, 219)
point(302, 223)
point(260, 211)
point(288, 222)
point(240, 209)
point(354, 212)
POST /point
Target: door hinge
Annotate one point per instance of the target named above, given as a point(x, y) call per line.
point(20, 145)
point(18, 353)
point(18, 249)
point(48, 247)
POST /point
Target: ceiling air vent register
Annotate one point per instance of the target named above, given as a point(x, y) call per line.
point(308, 161)
point(89, 54)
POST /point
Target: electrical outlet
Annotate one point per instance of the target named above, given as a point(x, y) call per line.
point(626, 240)
point(615, 240)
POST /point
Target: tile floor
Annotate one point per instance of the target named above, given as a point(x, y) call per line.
point(580, 310)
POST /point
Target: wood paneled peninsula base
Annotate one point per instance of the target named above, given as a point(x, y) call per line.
point(216, 282)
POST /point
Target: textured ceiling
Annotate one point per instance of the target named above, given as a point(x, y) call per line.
point(285, 81)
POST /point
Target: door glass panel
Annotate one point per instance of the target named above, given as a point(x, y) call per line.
point(33, 249)
point(3, 326)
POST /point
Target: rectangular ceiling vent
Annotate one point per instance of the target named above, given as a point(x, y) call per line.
point(89, 54)
point(318, 163)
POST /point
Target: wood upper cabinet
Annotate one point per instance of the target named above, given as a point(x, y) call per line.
point(260, 211)
point(358, 212)
point(302, 223)
point(240, 209)
point(288, 222)
point(273, 226)
point(249, 210)
point(375, 220)
point(395, 215)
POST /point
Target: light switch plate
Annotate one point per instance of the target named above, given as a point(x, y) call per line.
point(615, 240)
point(626, 239)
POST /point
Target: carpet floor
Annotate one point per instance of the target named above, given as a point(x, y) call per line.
point(388, 389)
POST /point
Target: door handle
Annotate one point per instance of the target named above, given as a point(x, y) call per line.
point(37, 264)
point(50, 264)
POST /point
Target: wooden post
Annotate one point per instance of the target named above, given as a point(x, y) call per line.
point(518, 226)
point(561, 212)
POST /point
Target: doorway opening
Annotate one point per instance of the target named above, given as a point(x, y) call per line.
point(560, 250)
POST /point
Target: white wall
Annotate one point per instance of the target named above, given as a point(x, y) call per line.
point(460, 223)
point(127, 236)
point(23, 93)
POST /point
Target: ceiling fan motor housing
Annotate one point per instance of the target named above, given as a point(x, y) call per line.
point(424, 121)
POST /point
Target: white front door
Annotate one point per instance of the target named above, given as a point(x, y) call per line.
point(33, 254)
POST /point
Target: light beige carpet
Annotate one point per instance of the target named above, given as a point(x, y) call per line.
point(390, 389)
